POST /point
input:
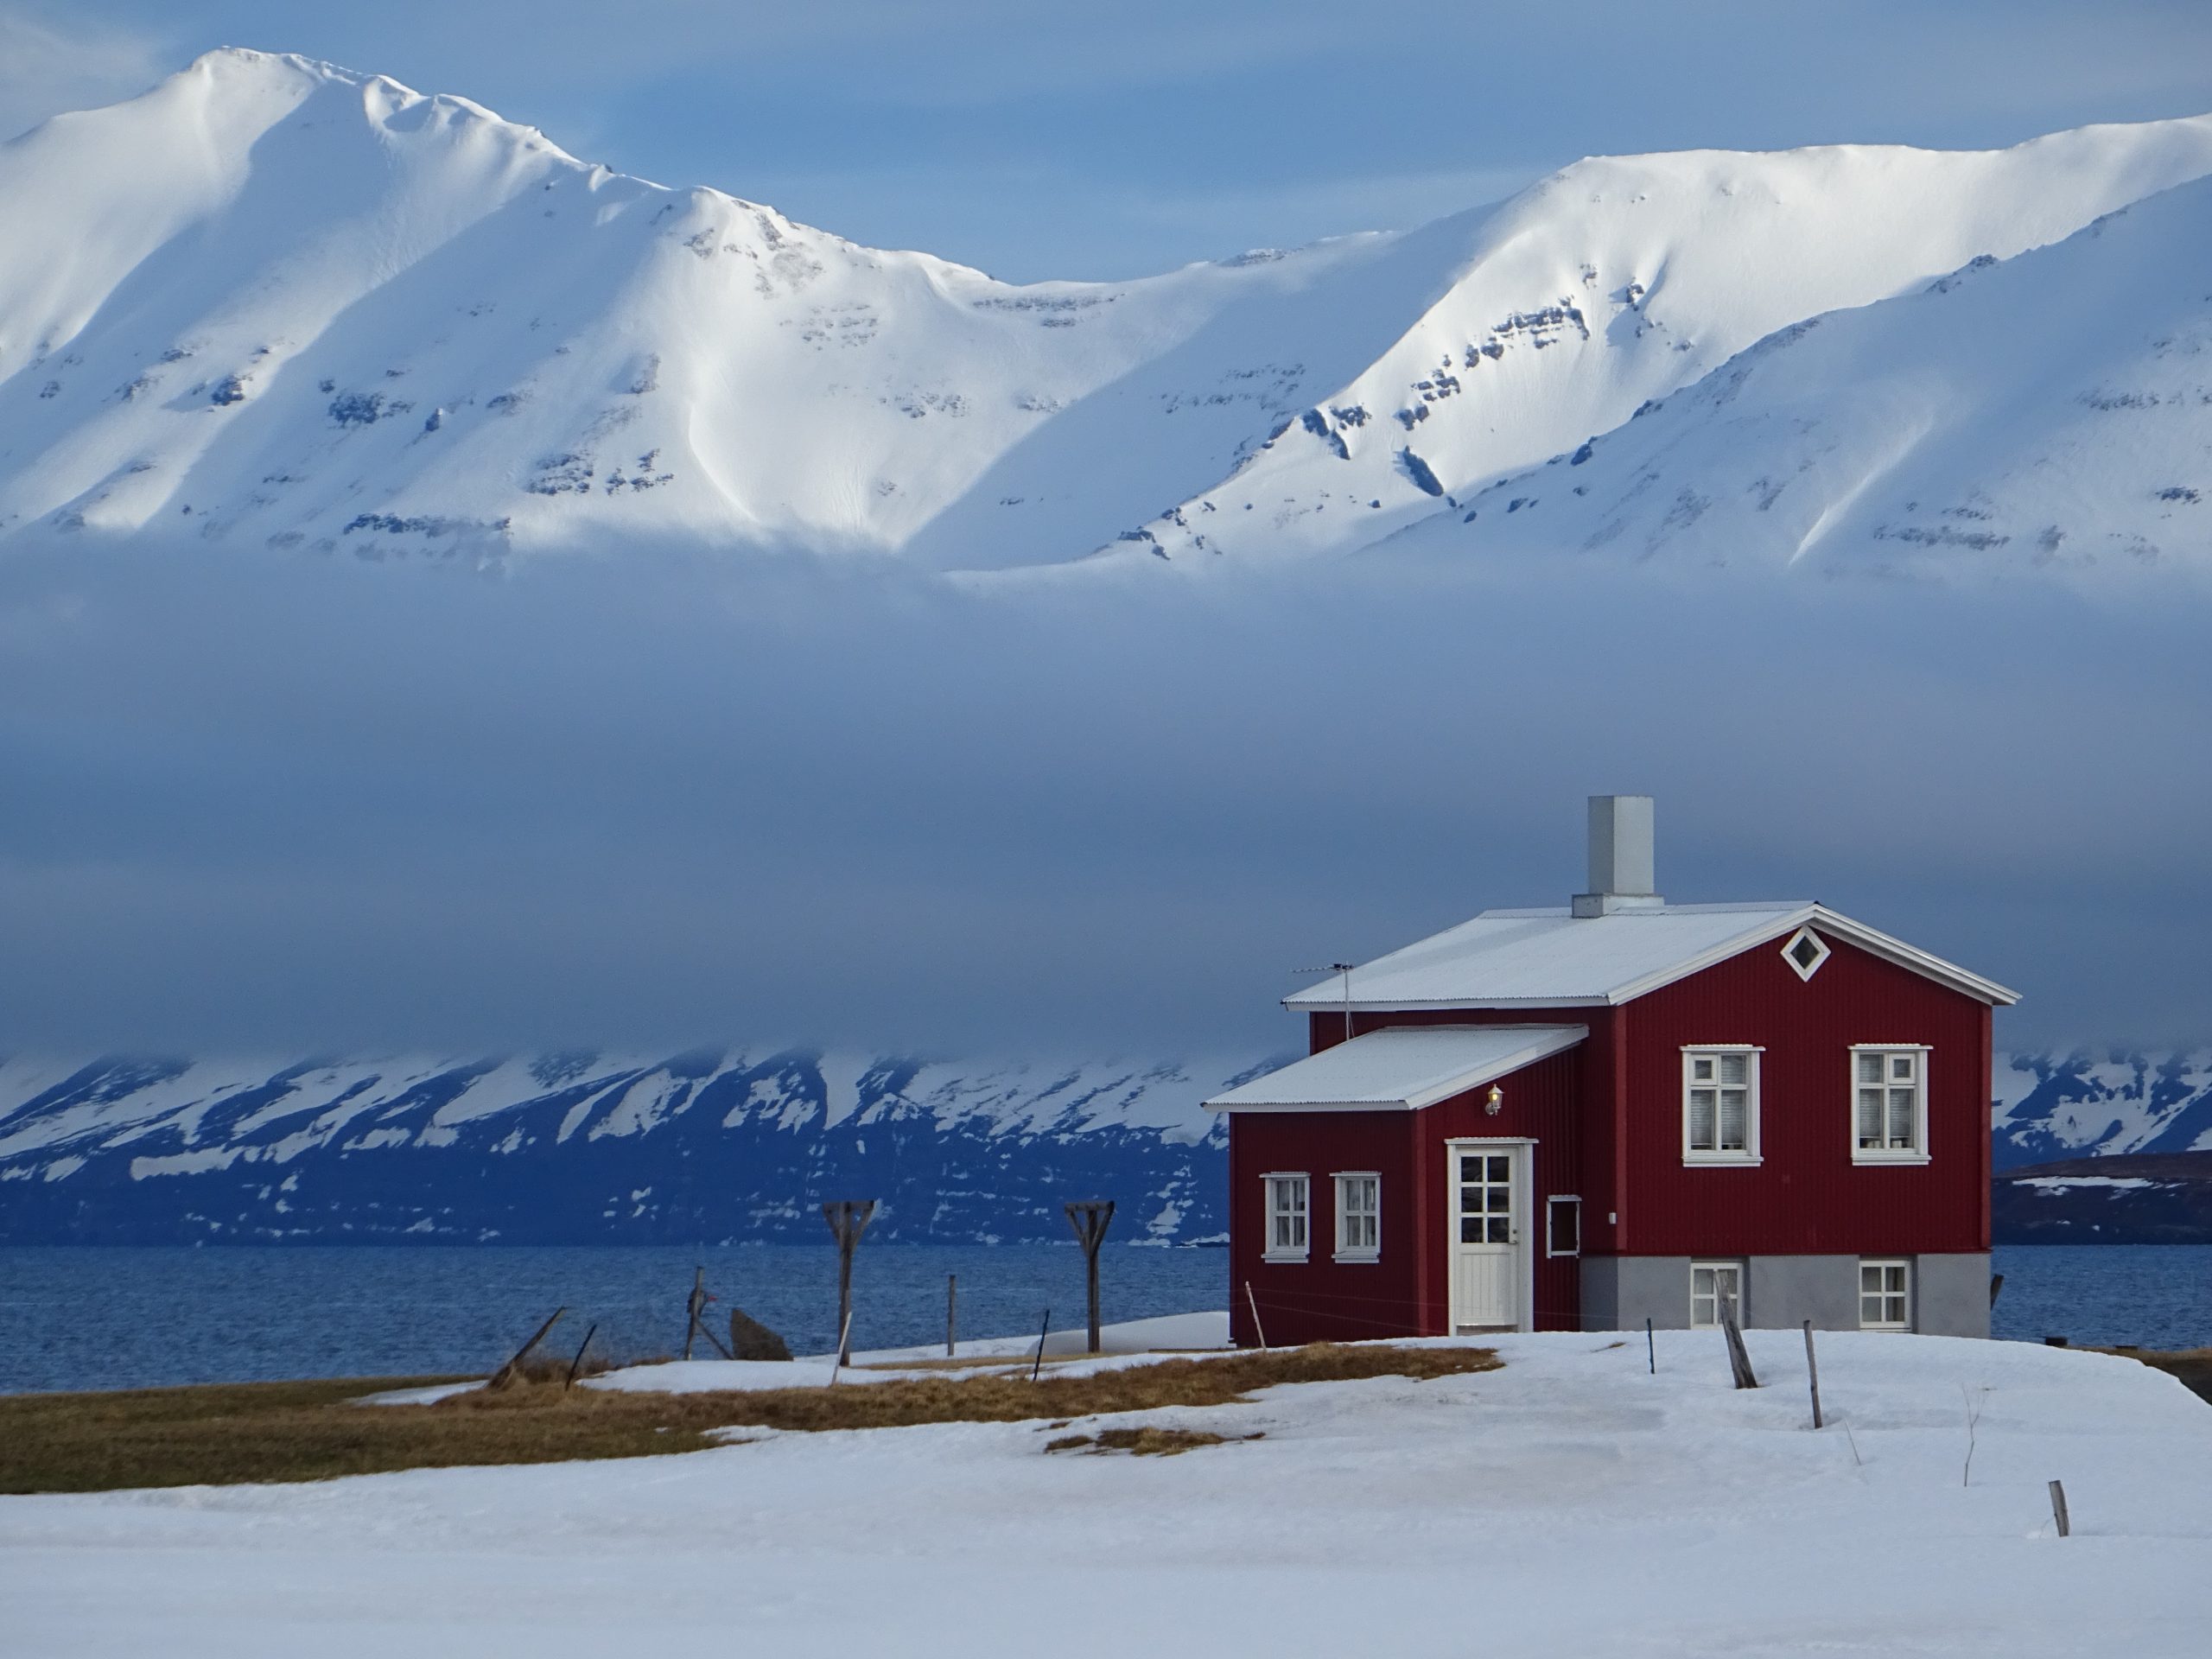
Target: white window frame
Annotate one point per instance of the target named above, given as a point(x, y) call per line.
point(1551, 1221)
point(1371, 1249)
point(1806, 970)
point(1917, 1152)
point(1736, 1267)
point(1902, 1267)
point(1746, 1157)
point(1275, 1186)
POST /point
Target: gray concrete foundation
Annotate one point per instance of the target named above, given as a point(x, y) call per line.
point(1950, 1293)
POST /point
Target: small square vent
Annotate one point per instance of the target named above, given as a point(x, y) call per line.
point(1805, 952)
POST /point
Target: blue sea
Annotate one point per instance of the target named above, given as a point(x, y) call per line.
point(87, 1317)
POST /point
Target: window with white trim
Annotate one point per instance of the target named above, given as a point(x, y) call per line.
point(1715, 1288)
point(1562, 1225)
point(1359, 1216)
point(1720, 1105)
point(1805, 952)
point(1885, 1296)
point(1286, 1210)
point(1889, 1103)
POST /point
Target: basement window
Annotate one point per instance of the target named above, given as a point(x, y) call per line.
point(1885, 1296)
point(1889, 1103)
point(1805, 952)
point(1287, 1216)
point(1716, 1288)
point(1720, 1104)
point(1359, 1217)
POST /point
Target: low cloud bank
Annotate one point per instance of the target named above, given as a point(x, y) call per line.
point(646, 798)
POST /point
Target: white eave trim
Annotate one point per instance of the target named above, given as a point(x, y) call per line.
point(1556, 1040)
point(1776, 924)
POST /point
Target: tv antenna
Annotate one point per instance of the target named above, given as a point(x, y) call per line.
point(1343, 967)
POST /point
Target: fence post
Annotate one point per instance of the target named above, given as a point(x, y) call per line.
point(1253, 1302)
point(2058, 1508)
point(848, 1221)
point(1739, 1358)
point(1090, 1220)
point(1813, 1373)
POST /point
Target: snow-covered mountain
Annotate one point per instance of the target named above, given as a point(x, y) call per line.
point(2053, 408)
point(591, 1149)
point(602, 1148)
point(271, 301)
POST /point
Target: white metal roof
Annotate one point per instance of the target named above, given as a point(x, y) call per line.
point(1400, 1068)
point(1551, 958)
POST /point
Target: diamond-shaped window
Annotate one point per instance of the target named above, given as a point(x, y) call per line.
point(1805, 952)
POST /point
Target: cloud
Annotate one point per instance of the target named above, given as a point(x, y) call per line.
point(648, 797)
point(48, 66)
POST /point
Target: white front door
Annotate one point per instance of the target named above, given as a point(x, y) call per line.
point(1486, 1240)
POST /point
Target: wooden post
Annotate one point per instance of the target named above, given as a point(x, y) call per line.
point(951, 1306)
point(576, 1363)
point(1813, 1372)
point(1996, 1284)
point(1253, 1302)
point(2058, 1509)
point(505, 1373)
point(1650, 1347)
point(1090, 1220)
point(692, 1303)
point(848, 1221)
point(1739, 1358)
point(1043, 1325)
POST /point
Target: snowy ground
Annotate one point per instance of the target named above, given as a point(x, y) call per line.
point(1567, 1504)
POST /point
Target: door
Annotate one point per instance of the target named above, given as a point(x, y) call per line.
point(1486, 1247)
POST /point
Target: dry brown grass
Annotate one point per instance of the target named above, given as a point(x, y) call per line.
point(309, 1431)
point(1147, 1442)
point(2191, 1366)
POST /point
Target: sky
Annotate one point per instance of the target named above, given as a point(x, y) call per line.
point(270, 803)
point(1107, 140)
point(658, 801)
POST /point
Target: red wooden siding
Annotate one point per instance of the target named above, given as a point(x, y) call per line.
point(1807, 1196)
point(1403, 1293)
point(1542, 1102)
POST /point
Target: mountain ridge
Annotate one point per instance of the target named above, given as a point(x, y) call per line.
point(276, 303)
point(730, 1145)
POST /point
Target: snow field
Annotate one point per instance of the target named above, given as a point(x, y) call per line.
point(1569, 1502)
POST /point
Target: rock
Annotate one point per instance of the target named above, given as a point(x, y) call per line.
point(750, 1339)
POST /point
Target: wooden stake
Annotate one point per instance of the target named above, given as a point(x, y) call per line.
point(1650, 1347)
point(1996, 1284)
point(2058, 1509)
point(692, 1303)
point(845, 1348)
point(1813, 1373)
point(1043, 1326)
point(576, 1363)
point(951, 1305)
point(1739, 1358)
point(505, 1373)
point(1090, 1220)
point(848, 1221)
point(1253, 1302)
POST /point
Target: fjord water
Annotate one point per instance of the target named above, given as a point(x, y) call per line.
point(97, 1317)
point(92, 1317)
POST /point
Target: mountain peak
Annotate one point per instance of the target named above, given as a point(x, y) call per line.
point(273, 302)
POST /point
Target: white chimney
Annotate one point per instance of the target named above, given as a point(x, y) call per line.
point(1620, 857)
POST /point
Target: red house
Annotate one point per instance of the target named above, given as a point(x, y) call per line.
point(1618, 1110)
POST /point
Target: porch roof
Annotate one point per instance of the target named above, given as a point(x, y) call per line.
point(1400, 1068)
